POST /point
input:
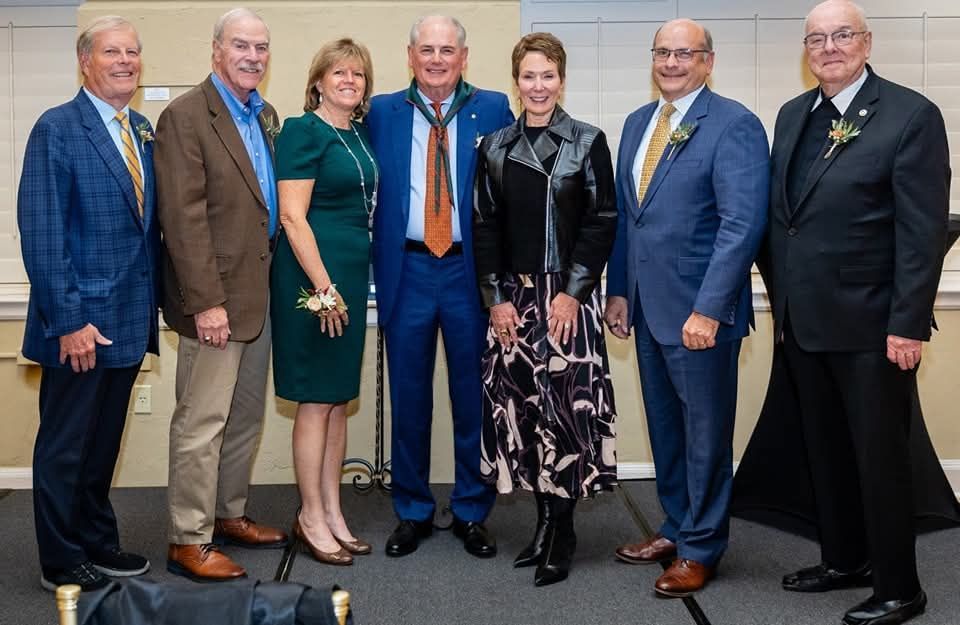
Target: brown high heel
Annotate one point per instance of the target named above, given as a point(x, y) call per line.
point(356, 546)
point(340, 557)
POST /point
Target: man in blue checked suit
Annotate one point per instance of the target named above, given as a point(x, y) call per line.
point(692, 182)
point(89, 236)
point(425, 276)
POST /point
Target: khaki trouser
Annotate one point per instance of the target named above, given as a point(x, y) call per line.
point(214, 433)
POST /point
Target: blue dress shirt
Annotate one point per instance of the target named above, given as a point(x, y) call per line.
point(109, 116)
point(245, 116)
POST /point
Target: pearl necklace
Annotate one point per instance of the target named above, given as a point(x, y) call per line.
point(369, 204)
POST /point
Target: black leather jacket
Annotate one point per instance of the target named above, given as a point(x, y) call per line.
point(534, 219)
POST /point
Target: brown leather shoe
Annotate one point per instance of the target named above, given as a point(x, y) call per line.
point(244, 532)
point(357, 547)
point(683, 578)
point(340, 557)
point(202, 563)
point(648, 552)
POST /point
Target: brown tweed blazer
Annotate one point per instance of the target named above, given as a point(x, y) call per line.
point(212, 215)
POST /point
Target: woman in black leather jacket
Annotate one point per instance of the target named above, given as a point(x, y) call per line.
point(544, 226)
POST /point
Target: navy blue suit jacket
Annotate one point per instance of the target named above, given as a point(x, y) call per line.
point(391, 131)
point(89, 256)
point(690, 245)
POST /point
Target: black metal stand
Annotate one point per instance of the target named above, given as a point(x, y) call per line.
point(376, 473)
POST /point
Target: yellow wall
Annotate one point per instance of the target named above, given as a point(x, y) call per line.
point(176, 37)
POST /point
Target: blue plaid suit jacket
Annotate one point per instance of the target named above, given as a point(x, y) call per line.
point(89, 256)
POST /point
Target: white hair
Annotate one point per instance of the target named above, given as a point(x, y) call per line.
point(232, 15)
point(99, 25)
point(461, 31)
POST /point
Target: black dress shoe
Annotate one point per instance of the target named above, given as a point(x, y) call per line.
point(476, 539)
point(823, 577)
point(876, 612)
point(406, 538)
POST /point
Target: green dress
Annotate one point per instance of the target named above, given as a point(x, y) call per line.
point(308, 365)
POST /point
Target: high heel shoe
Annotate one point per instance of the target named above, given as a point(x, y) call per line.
point(340, 557)
point(356, 546)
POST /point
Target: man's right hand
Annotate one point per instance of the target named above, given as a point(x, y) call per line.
point(615, 316)
point(213, 327)
point(81, 347)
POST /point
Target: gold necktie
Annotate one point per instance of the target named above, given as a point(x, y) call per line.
point(658, 142)
point(437, 225)
point(130, 156)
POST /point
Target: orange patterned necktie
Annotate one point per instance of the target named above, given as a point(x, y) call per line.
point(658, 143)
point(130, 157)
point(437, 226)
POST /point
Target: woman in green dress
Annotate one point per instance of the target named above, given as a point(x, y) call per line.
point(327, 184)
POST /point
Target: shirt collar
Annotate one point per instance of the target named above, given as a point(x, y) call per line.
point(106, 110)
point(681, 104)
point(238, 108)
point(843, 99)
point(444, 104)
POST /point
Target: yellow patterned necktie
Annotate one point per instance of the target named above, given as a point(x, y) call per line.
point(130, 156)
point(658, 143)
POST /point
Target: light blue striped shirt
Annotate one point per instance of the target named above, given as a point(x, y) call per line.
point(109, 116)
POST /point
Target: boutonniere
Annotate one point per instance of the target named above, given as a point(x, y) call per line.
point(146, 136)
point(271, 126)
point(841, 131)
point(680, 136)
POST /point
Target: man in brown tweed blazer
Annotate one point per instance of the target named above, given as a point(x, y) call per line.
point(217, 210)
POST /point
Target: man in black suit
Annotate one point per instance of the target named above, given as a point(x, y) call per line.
point(858, 223)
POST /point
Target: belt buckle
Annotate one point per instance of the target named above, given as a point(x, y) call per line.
point(525, 280)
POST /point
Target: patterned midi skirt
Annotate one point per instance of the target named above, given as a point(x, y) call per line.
point(548, 409)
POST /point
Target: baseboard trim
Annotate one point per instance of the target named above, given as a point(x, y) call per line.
point(21, 478)
point(16, 478)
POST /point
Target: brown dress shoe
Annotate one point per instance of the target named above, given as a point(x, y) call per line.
point(202, 563)
point(244, 532)
point(357, 547)
point(683, 578)
point(648, 552)
point(340, 557)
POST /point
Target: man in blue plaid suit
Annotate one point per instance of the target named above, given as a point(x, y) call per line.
point(89, 238)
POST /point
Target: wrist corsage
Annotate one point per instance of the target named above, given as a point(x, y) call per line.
point(321, 303)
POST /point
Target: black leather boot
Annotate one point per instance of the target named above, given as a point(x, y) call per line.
point(561, 542)
point(532, 553)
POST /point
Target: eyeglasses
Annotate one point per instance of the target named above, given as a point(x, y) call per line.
point(840, 39)
point(681, 54)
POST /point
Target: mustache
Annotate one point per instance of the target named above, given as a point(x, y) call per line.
point(254, 66)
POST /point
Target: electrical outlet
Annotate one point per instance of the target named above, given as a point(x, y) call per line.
point(142, 399)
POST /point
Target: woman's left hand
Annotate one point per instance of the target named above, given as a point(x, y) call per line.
point(562, 318)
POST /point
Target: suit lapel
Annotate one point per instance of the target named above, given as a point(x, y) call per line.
point(103, 143)
point(630, 149)
point(698, 110)
point(865, 101)
point(402, 124)
point(226, 129)
point(466, 151)
point(795, 130)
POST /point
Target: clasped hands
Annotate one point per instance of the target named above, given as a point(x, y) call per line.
point(561, 320)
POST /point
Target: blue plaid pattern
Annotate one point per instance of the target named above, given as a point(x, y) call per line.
point(89, 256)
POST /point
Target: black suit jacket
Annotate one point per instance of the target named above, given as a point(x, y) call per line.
point(860, 256)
